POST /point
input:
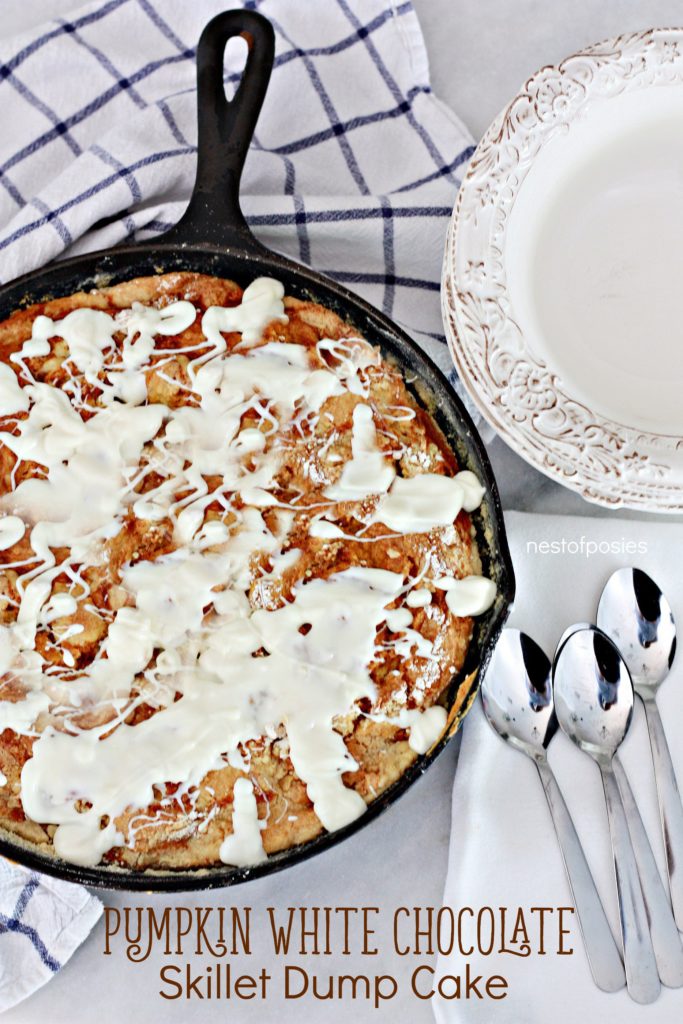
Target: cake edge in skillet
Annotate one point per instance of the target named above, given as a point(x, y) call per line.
point(186, 825)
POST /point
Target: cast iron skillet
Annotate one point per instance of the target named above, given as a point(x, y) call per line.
point(212, 237)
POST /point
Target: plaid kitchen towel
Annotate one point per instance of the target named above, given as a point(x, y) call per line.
point(354, 171)
point(42, 922)
point(354, 168)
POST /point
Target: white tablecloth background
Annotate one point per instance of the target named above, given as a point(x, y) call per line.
point(479, 53)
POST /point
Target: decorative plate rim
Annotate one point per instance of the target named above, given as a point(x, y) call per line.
point(608, 463)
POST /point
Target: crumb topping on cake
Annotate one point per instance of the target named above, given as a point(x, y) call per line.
point(236, 573)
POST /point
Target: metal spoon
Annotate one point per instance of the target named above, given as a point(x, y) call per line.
point(594, 705)
point(666, 941)
point(518, 703)
point(635, 613)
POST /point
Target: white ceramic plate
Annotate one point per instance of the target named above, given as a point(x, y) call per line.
point(563, 277)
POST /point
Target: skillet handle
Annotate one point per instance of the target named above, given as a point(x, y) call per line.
point(214, 216)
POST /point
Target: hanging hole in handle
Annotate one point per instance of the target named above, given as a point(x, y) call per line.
point(234, 63)
point(226, 121)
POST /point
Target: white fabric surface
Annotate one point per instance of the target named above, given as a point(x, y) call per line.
point(503, 849)
point(42, 922)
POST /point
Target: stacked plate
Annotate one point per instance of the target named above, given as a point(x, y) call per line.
point(563, 276)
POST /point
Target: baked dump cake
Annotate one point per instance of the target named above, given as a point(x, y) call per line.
point(237, 572)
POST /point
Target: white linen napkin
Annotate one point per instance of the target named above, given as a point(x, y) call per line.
point(503, 849)
point(42, 922)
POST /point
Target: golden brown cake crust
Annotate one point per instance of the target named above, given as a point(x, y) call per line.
point(187, 831)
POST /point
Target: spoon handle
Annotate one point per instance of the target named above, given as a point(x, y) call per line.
point(670, 807)
point(601, 949)
point(666, 941)
point(642, 979)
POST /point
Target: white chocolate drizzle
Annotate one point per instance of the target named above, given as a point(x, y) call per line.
point(12, 397)
point(426, 726)
point(472, 595)
point(261, 303)
point(244, 847)
point(418, 504)
point(368, 471)
point(12, 529)
point(419, 598)
point(185, 638)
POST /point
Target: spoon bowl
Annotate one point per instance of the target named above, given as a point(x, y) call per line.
point(567, 633)
point(517, 695)
point(593, 692)
point(634, 612)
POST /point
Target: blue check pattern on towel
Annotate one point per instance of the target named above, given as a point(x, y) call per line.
point(42, 922)
point(354, 168)
point(354, 171)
